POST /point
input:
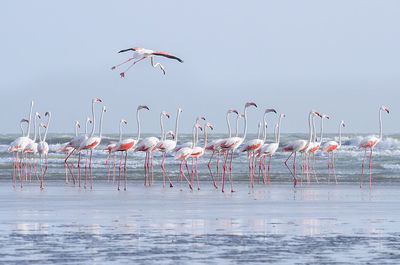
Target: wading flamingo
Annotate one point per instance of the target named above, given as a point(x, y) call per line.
point(369, 143)
point(168, 145)
point(198, 151)
point(299, 146)
point(31, 148)
point(183, 154)
point(126, 144)
point(67, 150)
point(43, 148)
point(141, 54)
point(215, 146)
point(252, 146)
point(91, 143)
point(122, 146)
point(231, 144)
point(330, 147)
point(270, 149)
point(78, 140)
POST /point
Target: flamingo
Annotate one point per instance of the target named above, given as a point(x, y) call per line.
point(332, 146)
point(109, 147)
point(142, 54)
point(18, 146)
point(78, 140)
point(252, 146)
point(148, 145)
point(215, 146)
point(231, 144)
point(315, 145)
point(91, 143)
point(67, 150)
point(298, 146)
point(122, 146)
point(270, 149)
point(198, 151)
point(43, 148)
point(190, 143)
point(184, 153)
point(369, 143)
point(166, 146)
point(125, 144)
point(31, 148)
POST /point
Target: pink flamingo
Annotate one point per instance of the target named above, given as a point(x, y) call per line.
point(67, 150)
point(109, 147)
point(43, 148)
point(15, 147)
point(142, 54)
point(252, 146)
point(215, 146)
point(91, 143)
point(369, 143)
point(315, 145)
point(184, 153)
point(125, 144)
point(78, 140)
point(231, 144)
point(166, 146)
point(332, 146)
point(31, 148)
point(298, 146)
point(198, 151)
point(270, 149)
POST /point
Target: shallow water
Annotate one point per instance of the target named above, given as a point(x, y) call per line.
point(276, 223)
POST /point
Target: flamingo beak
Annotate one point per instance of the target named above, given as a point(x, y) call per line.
point(203, 118)
point(79, 126)
point(270, 110)
point(97, 100)
point(47, 114)
point(43, 125)
point(248, 104)
point(144, 107)
point(211, 127)
point(125, 50)
point(283, 115)
point(166, 114)
point(24, 120)
point(387, 110)
point(235, 111)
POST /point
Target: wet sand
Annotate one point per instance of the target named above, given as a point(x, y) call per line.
point(277, 224)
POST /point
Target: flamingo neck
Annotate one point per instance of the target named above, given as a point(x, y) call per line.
point(237, 126)
point(322, 130)
point(380, 124)
point(162, 128)
point(265, 127)
point(205, 138)
point(34, 129)
point(94, 120)
point(138, 124)
point(275, 134)
point(47, 127)
point(229, 125)
point(194, 135)
point(22, 129)
point(120, 131)
point(101, 124)
point(245, 123)
point(310, 128)
point(279, 130)
point(340, 135)
point(40, 136)
point(28, 132)
point(259, 130)
point(76, 129)
point(176, 126)
point(86, 126)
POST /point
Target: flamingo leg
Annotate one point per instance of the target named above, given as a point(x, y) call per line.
point(72, 165)
point(86, 161)
point(183, 174)
point(145, 169)
point(370, 161)
point(192, 169)
point(152, 170)
point(362, 167)
point(66, 162)
point(329, 171)
point(108, 166)
point(34, 167)
point(114, 161)
point(165, 172)
point(79, 169)
point(197, 175)
point(90, 169)
point(123, 73)
point(209, 168)
point(249, 171)
point(41, 172)
point(224, 170)
point(66, 169)
point(219, 154)
point(313, 167)
point(333, 166)
point(29, 157)
point(230, 172)
point(294, 171)
point(15, 169)
point(126, 157)
point(287, 164)
point(119, 170)
point(45, 170)
point(269, 163)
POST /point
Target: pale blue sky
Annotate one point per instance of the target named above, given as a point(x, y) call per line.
point(338, 57)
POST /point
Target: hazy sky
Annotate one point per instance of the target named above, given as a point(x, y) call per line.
point(341, 58)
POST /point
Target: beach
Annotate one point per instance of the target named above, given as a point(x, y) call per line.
point(271, 223)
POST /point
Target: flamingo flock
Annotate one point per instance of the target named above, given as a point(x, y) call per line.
point(25, 149)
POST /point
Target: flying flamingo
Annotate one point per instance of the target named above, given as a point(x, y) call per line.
point(125, 144)
point(198, 151)
point(370, 142)
point(166, 146)
point(270, 149)
point(78, 140)
point(31, 148)
point(91, 143)
point(252, 146)
point(298, 146)
point(315, 145)
point(231, 144)
point(43, 148)
point(215, 146)
point(183, 154)
point(142, 54)
point(332, 146)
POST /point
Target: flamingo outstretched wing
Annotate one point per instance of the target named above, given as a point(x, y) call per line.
point(168, 55)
